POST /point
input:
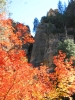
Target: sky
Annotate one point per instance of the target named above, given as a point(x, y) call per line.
point(24, 11)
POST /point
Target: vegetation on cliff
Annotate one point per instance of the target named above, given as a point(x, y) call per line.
point(61, 21)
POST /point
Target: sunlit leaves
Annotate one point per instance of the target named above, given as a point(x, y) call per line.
point(22, 32)
point(10, 40)
point(19, 80)
point(65, 74)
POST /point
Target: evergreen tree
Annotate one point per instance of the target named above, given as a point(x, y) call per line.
point(70, 16)
point(60, 7)
point(64, 7)
point(35, 23)
point(67, 47)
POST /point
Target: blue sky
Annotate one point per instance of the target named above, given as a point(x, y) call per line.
point(25, 11)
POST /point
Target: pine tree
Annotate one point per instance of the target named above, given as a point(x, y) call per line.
point(67, 47)
point(60, 7)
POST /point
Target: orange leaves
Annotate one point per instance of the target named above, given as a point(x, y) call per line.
point(28, 38)
point(65, 74)
point(19, 80)
point(23, 33)
point(13, 37)
point(6, 32)
point(21, 27)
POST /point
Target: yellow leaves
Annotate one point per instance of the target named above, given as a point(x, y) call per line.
point(65, 74)
point(30, 82)
point(53, 94)
point(24, 59)
point(71, 79)
point(37, 95)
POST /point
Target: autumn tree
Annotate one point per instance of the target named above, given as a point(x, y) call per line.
point(19, 80)
point(10, 40)
point(65, 77)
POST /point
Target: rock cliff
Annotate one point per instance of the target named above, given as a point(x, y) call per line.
point(45, 44)
point(39, 45)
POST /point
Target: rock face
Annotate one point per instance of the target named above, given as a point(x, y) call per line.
point(46, 43)
point(50, 49)
point(39, 45)
point(45, 46)
point(52, 12)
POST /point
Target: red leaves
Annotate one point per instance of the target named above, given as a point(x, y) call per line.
point(22, 32)
point(10, 40)
point(19, 80)
point(65, 74)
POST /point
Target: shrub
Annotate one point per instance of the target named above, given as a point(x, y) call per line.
point(68, 47)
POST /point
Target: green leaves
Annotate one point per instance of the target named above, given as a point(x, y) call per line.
point(67, 47)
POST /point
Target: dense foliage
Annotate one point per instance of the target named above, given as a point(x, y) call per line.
point(11, 38)
point(68, 47)
point(19, 80)
point(63, 20)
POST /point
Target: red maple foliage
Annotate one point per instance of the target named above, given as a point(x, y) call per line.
point(64, 76)
point(10, 40)
point(23, 33)
point(20, 81)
